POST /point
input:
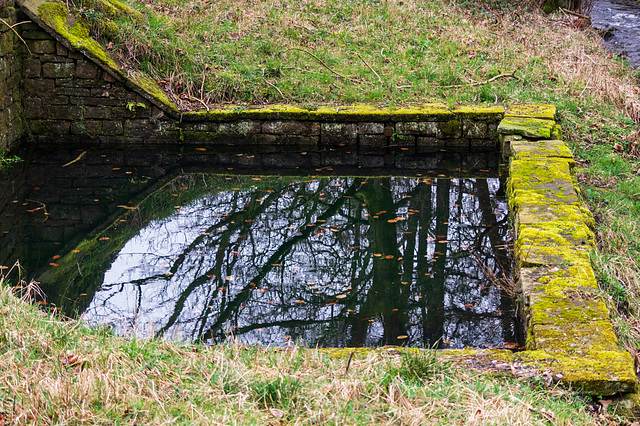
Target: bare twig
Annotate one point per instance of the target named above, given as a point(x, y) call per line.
point(76, 159)
point(579, 15)
point(13, 29)
point(369, 66)
point(275, 87)
point(346, 370)
point(325, 65)
point(480, 83)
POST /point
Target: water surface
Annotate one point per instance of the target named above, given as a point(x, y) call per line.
point(150, 248)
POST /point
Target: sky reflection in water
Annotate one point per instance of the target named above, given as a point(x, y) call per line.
point(332, 261)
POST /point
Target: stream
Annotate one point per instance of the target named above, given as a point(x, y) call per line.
point(622, 18)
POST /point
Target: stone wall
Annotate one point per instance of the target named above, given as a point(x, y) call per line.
point(11, 126)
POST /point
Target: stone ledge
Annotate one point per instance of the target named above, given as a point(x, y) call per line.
point(568, 328)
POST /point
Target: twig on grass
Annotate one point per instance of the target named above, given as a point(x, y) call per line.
point(480, 83)
point(369, 66)
point(275, 87)
point(325, 65)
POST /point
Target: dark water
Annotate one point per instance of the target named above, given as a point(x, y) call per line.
point(148, 246)
point(622, 17)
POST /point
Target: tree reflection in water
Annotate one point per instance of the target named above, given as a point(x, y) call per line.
point(332, 261)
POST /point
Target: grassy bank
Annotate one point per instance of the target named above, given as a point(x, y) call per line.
point(60, 372)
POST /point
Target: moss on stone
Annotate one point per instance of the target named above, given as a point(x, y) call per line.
point(541, 149)
point(480, 112)
point(541, 111)
point(533, 128)
point(599, 373)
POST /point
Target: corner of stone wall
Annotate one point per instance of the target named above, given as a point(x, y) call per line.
point(11, 55)
point(567, 326)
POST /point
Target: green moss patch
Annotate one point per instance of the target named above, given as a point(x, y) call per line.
point(539, 111)
point(541, 149)
point(533, 128)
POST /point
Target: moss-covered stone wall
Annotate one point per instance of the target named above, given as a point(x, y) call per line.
point(11, 75)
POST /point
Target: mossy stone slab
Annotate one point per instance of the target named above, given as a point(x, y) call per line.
point(551, 178)
point(561, 232)
point(593, 336)
point(533, 128)
point(565, 311)
point(538, 255)
point(600, 373)
point(541, 111)
point(530, 213)
point(558, 279)
point(480, 113)
point(541, 149)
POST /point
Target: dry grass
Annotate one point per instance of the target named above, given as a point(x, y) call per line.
point(60, 372)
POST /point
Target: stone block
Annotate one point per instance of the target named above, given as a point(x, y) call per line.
point(484, 143)
point(474, 129)
point(339, 134)
point(99, 112)
point(42, 46)
point(86, 127)
point(86, 69)
point(52, 57)
point(57, 100)
point(403, 141)
point(73, 54)
point(429, 144)
point(528, 127)
point(372, 142)
point(33, 68)
point(371, 128)
point(291, 128)
point(60, 112)
point(49, 127)
point(58, 69)
point(422, 128)
point(38, 86)
point(73, 91)
point(61, 50)
point(35, 34)
point(244, 127)
point(449, 129)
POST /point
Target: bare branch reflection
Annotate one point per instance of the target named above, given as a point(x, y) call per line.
point(332, 261)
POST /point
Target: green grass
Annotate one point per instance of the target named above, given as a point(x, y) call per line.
point(55, 371)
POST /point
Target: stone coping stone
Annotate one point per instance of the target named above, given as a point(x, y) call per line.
point(541, 111)
point(564, 318)
point(350, 113)
point(541, 149)
point(533, 128)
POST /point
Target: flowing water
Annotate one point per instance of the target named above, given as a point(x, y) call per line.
point(622, 18)
point(150, 247)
